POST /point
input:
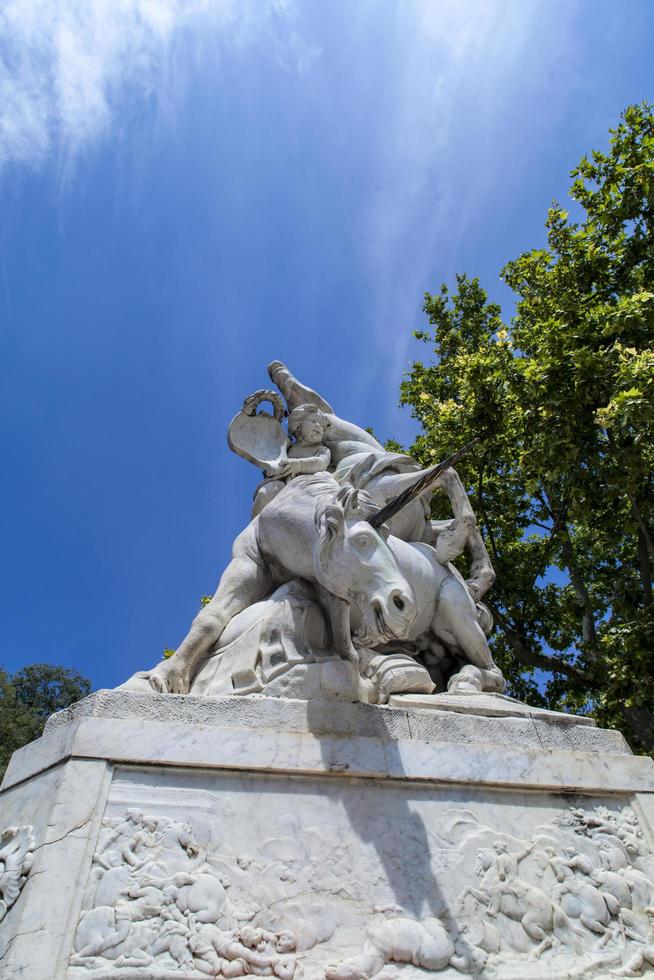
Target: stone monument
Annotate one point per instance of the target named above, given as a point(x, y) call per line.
point(326, 780)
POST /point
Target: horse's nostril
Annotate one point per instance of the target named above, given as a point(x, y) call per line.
point(398, 603)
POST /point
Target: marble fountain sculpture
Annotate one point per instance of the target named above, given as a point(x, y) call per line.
point(326, 780)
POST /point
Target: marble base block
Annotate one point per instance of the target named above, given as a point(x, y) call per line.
point(158, 837)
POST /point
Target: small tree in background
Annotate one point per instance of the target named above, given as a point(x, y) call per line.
point(29, 697)
point(562, 399)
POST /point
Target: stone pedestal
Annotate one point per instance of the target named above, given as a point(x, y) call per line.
point(182, 837)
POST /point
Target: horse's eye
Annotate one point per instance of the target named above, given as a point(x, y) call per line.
point(363, 541)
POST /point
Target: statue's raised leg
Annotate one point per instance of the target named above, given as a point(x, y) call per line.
point(294, 391)
point(452, 537)
point(457, 626)
point(465, 530)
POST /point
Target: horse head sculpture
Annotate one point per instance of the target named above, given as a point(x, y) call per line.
point(353, 561)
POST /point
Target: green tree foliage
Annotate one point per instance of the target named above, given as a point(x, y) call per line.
point(28, 698)
point(562, 399)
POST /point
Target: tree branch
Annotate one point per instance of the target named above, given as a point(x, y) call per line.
point(484, 514)
point(588, 631)
point(532, 658)
point(644, 530)
point(645, 570)
point(641, 722)
point(548, 548)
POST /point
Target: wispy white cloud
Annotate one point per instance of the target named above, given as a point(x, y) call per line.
point(452, 77)
point(65, 65)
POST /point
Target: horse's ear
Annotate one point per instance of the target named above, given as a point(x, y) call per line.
point(332, 524)
point(351, 503)
point(343, 495)
point(347, 499)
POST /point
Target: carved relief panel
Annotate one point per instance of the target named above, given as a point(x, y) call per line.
point(16, 855)
point(229, 876)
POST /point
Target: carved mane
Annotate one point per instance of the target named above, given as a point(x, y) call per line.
point(330, 515)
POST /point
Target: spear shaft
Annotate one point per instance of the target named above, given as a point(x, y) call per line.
point(424, 483)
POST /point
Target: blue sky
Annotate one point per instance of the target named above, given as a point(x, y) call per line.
point(191, 189)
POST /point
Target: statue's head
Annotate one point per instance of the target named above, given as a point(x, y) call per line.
point(251, 936)
point(286, 942)
point(306, 424)
point(354, 562)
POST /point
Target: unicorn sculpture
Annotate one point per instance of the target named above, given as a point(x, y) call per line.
point(341, 526)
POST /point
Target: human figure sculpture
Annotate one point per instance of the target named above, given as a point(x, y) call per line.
point(642, 955)
point(307, 454)
point(507, 861)
point(426, 944)
point(16, 856)
point(580, 898)
point(250, 951)
point(504, 893)
point(114, 832)
point(314, 521)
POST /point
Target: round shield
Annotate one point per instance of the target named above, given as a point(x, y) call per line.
point(259, 437)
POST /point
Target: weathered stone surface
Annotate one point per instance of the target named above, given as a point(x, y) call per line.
point(65, 807)
point(186, 837)
point(359, 879)
point(322, 717)
point(491, 705)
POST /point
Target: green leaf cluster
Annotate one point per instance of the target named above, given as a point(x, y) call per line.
point(562, 398)
point(29, 697)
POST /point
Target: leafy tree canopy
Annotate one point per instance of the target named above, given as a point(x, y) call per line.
point(562, 398)
point(27, 699)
